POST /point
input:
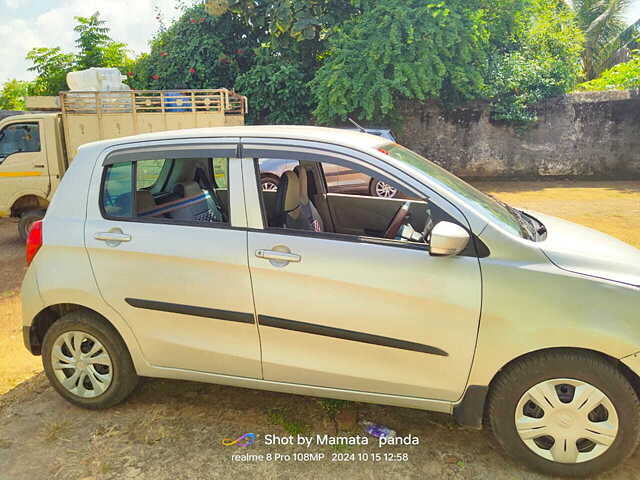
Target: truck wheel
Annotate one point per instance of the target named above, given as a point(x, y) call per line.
point(87, 362)
point(27, 219)
point(565, 413)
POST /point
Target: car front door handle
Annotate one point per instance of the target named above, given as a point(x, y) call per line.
point(278, 256)
point(112, 237)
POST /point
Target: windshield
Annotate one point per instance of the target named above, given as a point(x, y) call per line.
point(509, 218)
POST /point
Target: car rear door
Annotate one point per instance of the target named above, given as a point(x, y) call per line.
point(358, 313)
point(182, 285)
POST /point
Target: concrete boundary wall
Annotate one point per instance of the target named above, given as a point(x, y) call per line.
point(581, 135)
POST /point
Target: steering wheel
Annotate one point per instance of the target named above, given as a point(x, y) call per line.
point(397, 221)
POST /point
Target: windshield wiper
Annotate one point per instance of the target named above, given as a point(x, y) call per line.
point(529, 230)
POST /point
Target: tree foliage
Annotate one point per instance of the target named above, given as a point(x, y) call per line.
point(277, 90)
point(51, 66)
point(543, 61)
point(95, 49)
point(197, 51)
point(402, 48)
point(12, 96)
point(602, 22)
point(620, 77)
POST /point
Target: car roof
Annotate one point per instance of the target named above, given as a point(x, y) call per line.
point(336, 136)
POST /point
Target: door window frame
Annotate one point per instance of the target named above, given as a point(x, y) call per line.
point(25, 122)
point(252, 151)
point(132, 154)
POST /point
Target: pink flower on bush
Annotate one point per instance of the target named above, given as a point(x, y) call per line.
point(156, 76)
point(193, 20)
point(192, 70)
point(163, 54)
point(130, 74)
point(202, 19)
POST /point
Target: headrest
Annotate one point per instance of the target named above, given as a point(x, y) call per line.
point(187, 189)
point(292, 193)
point(304, 185)
point(144, 201)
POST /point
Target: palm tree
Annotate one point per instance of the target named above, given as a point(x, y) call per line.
point(605, 30)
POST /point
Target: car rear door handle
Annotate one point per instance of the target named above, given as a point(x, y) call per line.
point(112, 237)
point(278, 256)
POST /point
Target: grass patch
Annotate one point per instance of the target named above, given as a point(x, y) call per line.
point(291, 426)
point(55, 430)
point(333, 407)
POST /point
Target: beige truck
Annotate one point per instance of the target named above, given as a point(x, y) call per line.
point(36, 148)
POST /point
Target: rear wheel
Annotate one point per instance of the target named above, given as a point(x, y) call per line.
point(27, 219)
point(565, 413)
point(87, 362)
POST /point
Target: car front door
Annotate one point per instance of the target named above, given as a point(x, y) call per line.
point(359, 313)
point(172, 259)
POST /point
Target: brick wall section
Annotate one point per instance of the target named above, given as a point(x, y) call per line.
point(581, 135)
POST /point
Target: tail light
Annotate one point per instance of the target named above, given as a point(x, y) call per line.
point(34, 241)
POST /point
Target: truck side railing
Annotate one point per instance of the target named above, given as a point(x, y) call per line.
point(154, 101)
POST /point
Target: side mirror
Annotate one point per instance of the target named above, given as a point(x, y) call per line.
point(448, 239)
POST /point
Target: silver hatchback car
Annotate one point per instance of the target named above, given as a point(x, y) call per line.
point(161, 256)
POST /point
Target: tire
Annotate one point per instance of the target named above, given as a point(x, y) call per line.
point(561, 419)
point(95, 331)
point(26, 220)
point(380, 189)
point(269, 183)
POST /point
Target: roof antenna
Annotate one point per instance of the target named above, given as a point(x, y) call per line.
point(357, 126)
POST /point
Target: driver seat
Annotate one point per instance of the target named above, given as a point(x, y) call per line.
point(307, 208)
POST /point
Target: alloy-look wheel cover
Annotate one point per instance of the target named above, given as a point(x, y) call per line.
point(385, 190)
point(579, 417)
point(269, 186)
point(81, 364)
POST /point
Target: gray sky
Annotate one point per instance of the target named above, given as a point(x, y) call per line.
point(46, 23)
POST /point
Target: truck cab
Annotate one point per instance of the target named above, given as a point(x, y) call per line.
point(37, 148)
point(32, 162)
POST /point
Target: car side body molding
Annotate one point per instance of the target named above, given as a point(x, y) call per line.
point(191, 310)
point(267, 321)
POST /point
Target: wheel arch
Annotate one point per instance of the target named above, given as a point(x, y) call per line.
point(471, 411)
point(51, 314)
point(28, 201)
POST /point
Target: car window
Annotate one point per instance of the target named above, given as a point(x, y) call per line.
point(19, 137)
point(185, 190)
point(298, 202)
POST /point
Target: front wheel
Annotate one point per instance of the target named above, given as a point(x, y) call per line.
point(565, 413)
point(87, 361)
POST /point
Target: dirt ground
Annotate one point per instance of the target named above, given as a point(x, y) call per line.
point(172, 429)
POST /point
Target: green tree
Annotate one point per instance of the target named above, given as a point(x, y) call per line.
point(51, 65)
point(543, 61)
point(96, 49)
point(402, 48)
point(12, 96)
point(602, 22)
point(277, 90)
point(197, 51)
point(95, 46)
point(623, 76)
